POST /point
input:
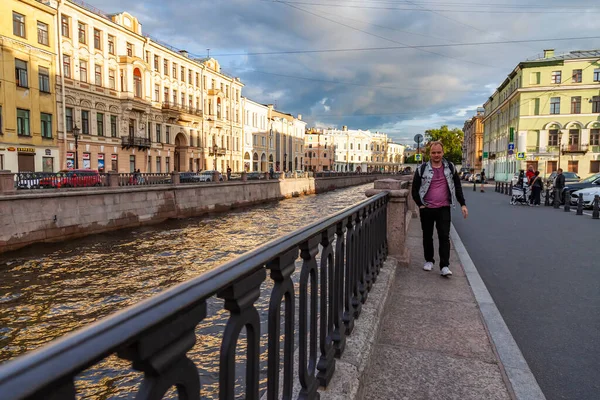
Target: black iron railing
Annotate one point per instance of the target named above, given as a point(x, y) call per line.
point(58, 180)
point(155, 334)
point(136, 179)
point(135, 141)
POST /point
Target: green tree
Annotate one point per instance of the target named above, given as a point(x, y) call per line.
point(451, 139)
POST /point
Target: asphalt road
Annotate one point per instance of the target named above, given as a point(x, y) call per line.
point(542, 267)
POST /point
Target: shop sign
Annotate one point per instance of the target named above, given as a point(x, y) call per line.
point(113, 157)
point(11, 149)
point(26, 149)
point(86, 156)
point(70, 155)
point(48, 152)
point(100, 156)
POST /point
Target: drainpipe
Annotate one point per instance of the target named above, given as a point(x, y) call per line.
point(62, 157)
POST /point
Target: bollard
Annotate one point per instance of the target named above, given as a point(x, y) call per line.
point(556, 198)
point(580, 204)
point(547, 201)
point(506, 188)
point(510, 189)
point(567, 203)
point(502, 188)
point(596, 212)
point(474, 185)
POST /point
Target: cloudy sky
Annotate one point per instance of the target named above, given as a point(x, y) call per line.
point(354, 63)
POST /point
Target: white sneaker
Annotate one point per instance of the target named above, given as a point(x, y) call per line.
point(446, 271)
point(428, 266)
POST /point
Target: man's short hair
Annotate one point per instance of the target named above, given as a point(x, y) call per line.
point(559, 170)
point(436, 142)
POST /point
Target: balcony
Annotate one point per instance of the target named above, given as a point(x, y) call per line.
point(169, 106)
point(133, 141)
point(574, 148)
point(221, 151)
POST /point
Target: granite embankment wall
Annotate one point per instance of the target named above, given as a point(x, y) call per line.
point(48, 216)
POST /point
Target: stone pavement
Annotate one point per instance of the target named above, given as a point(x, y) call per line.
point(432, 341)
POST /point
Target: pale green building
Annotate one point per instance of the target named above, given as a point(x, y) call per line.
point(546, 113)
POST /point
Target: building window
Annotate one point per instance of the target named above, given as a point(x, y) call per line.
point(149, 130)
point(595, 137)
point(576, 105)
point(168, 135)
point(129, 49)
point(166, 95)
point(597, 75)
point(69, 119)
point(46, 125)
point(556, 77)
point(190, 76)
point(81, 32)
point(158, 169)
point(596, 104)
point(83, 71)
point(204, 82)
point(42, 29)
point(156, 92)
point(67, 66)
point(182, 75)
point(167, 164)
point(197, 79)
point(18, 24)
point(1, 127)
point(137, 82)
point(174, 71)
point(594, 167)
point(44, 80)
point(21, 73)
point(65, 29)
point(113, 126)
point(577, 75)
point(573, 166)
point(166, 67)
point(23, 122)
point(85, 122)
point(553, 137)
point(97, 39)
point(555, 105)
point(132, 163)
point(158, 133)
point(111, 44)
point(111, 79)
point(98, 75)
point(147, 56)
point(182, 100)
point(100, 124)
point(174, 97)
point(156, 63)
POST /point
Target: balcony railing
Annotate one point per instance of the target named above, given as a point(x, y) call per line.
point(167, 105)
point(155, 335)
point(134, 141)
point(574, 148)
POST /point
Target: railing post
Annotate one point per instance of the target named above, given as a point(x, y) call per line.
point(580, 204)
point(175, 178)
point(239, 301)
point(596, 212)
point(113, 179)
point(326, 364)
point(7, 182)
point(556, 198)
point(396, 217)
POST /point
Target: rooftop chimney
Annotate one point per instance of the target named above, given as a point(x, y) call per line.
point(184, 53)
point(549, 53)
point(299, 117)
point(344, 128)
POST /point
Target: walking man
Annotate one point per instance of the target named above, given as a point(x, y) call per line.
point(436, 187)
point(559, 184)
point(482, 179)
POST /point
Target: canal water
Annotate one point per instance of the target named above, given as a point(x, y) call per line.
point(49, 290)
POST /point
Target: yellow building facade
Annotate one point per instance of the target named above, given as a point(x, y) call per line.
point(28, 140)
point(473, 142)
point(548, 110)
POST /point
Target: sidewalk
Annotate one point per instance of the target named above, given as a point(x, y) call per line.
point(432, 341)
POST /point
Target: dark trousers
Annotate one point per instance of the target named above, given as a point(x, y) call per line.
point(441, 218)
point(536, 192)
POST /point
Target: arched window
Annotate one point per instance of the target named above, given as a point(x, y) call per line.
point(137, 83)
point(218, 107)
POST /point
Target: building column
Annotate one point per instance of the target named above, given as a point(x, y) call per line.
point(543, 141)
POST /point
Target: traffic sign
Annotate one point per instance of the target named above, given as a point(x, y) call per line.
point(417, 157)
point(511, 146)
point(418, 138)
point(521, 156)
point(511, 152)
point(485, 154)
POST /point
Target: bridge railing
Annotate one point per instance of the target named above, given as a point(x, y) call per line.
point(338, 258)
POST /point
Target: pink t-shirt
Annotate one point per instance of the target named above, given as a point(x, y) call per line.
point(438, 194)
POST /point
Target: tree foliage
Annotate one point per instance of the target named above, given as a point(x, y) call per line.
point(451, 139)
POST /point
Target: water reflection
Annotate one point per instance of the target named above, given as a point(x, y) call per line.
point(49, 290)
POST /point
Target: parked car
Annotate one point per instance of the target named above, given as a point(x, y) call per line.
point(570, 177)
point(189, 177)
point(253, 176)
point(588, 196)
point(72, 178)
point(467, 176)
point(463, 171)
point(590, 182)
point(208, 175)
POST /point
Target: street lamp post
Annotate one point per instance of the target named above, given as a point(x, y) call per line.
point(215, 148)
point(76, 136)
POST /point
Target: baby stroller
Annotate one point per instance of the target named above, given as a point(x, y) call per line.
point(520, 194)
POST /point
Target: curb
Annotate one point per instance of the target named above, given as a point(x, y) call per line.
point(517, 372)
